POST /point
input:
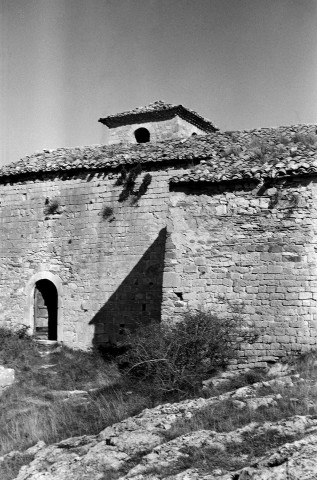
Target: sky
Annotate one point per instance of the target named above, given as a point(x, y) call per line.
point(242, 64)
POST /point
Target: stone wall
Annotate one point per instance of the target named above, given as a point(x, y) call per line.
point(105, 257)
point(225, 244)
point(249, 245)
point(176, 127)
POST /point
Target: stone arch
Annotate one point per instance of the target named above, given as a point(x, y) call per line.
point(45, 310)
point(142, 135)
point(44, 280)
point(148, 126)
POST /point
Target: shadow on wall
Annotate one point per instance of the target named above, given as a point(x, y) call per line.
point(137, 300)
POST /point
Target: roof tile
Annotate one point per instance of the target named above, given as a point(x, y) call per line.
point(223, 156)
point(158, 110)
point(264, 156)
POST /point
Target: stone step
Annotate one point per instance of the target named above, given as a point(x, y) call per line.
point(49, 365)
point(44, 354)
point(47, 343)
point(78, 397)
point(46, 347)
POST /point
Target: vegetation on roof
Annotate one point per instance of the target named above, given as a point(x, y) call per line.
point(222, 156)
point(265, 153)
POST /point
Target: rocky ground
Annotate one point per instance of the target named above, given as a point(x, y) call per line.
point(170, 442)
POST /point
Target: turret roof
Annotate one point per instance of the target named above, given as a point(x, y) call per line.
point(155, 111)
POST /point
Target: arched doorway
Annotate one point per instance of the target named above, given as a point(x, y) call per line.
point(45, 310)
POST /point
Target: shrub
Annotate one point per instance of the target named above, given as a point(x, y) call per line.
point(107, 213)
point(307, 140)
point(16, 347)
point(177, 357)
point(233, 150)
point(51, 206)
point(260, 149)
point(283, 140)
point(233, 134)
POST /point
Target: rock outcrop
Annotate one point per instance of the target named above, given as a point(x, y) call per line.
point(7, 376)
point(142, 448)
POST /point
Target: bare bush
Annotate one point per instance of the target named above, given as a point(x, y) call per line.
point(177, 357)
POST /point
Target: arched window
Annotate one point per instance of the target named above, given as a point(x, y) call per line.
point(45, 310)
point(142, 135)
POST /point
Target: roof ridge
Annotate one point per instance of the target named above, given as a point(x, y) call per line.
point(144, 108)
point(161, 109)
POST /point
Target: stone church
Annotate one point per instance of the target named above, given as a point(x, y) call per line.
point(170, 215)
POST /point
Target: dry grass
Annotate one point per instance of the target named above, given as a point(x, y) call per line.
point(53, 421)
point(308, 140)
point(31, 418)
point(11, 467)
point(31, 411)
point(224, 416)
point(227, 416)
point(236, 455)
point(233, 150)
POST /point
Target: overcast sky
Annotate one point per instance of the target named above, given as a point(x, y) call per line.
point(65, 63)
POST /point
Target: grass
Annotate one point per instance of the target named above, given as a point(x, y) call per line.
point(208, 459)
point(236, 455)
point(248, 377)
point(264, 150)
point(283, 140)
point(11, 467)
point(307, 140)
point(74, 369)
point(16, 349)
point(226, 416)
point(31, 411)
point(52, 420)
point(233, 150)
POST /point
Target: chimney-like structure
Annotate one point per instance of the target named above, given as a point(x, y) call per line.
point(155, 122)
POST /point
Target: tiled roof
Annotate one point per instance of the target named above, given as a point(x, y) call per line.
point(257, 154)
point(158, 110)
point(96, 157)
point(266, 152)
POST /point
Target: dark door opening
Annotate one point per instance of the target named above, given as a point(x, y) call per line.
point(45, 310)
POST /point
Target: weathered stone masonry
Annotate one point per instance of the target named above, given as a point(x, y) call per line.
point(110, 268)
point(64, 223)
point(249, 244)
point(225, 219)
